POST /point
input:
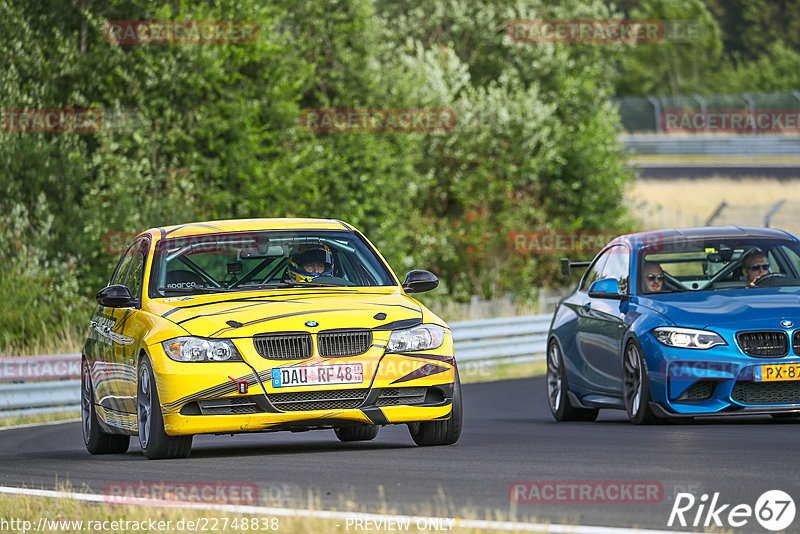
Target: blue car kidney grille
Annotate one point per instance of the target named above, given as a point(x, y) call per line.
point(764, 344)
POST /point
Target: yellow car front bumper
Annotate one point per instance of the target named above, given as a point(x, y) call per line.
point(186, 390)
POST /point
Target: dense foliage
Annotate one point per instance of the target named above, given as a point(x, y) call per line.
point(214, 131)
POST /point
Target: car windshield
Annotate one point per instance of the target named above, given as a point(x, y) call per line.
point(253, 260)
point(711, 264)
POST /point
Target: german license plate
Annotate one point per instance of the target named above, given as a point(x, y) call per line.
point(771, 373)
point(312, 375)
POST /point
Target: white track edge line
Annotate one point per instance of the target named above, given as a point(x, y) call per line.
point(329, 514)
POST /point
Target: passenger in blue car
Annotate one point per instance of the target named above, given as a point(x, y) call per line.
point(653, 277)
point(754, 266)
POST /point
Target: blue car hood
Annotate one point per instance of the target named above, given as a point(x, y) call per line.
point(746, 306)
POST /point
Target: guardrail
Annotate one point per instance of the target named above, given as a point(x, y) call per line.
point(39, 384)
point(501, 339)
point(712, 145)
point(27, 386)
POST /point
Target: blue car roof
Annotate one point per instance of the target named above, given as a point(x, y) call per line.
point(672, 235)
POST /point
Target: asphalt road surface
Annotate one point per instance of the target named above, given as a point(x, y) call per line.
point(508, 436)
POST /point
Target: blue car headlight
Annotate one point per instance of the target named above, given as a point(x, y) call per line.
point(687, 338)
point(422, 337)
point(197, 349)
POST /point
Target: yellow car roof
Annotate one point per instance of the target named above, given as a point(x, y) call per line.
point(239, 225)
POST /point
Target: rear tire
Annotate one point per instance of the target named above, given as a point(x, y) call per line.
point(97, 441)
point(636, 387)
point(357, 433)
point(155, 442)
point(447, 432)
point(557, 388)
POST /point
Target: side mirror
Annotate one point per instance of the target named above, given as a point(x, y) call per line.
point(115, 296)
point(608, 288)
point(419, 281)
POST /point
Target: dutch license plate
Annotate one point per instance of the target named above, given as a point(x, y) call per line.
point(311, 375)
point(771, 373)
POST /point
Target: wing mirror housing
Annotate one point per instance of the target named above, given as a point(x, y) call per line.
point(115, 296)
point(419, 281)
point(607, 288)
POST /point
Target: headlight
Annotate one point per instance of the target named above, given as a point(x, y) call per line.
point(687, 338)
point(197, 349)
point(423, 337)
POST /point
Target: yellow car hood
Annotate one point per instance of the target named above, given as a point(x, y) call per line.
point(246, 313)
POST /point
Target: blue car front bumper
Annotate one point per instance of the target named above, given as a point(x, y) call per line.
point(716, 381)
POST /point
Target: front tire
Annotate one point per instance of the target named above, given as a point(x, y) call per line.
point(557, 388)
point(447, 432)
point(97, 441)
point(155, 442)
point(636, 387)
point(357, 433)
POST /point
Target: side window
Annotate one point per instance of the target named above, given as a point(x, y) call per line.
point(136, 271)
point(593, 274)
point(122, 267)
point(793, 260)
point(617, 266)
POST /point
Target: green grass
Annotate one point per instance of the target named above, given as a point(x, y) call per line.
point(40, 418)
point(476, 372)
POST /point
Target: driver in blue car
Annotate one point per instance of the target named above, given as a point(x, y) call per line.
point(754, 266)
point(653, 277)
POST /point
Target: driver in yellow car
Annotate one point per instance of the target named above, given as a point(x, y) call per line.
point(308, 263)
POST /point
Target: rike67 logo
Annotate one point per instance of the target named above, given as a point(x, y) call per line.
point(774, 510)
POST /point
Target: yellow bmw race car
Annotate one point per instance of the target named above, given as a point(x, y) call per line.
point(263, 325)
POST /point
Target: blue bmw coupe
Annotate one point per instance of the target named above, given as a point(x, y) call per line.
point(678, 324)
